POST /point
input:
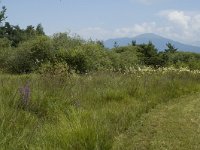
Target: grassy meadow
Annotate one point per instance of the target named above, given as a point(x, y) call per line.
point(140, 109)
point(64, 92)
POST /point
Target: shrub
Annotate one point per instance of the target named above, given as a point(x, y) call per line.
point(85, 58)
point(30, 55)
point(124, 57)
point(52, 69)
point(64, 41)
point(5, 50)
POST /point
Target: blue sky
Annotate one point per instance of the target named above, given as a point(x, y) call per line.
point(103, 19)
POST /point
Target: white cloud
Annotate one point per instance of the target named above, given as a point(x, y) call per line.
point(135, 30)
point(177, 17)
point(196, 22)
point(178, 25)
point(94, 33)
point(186, 25)
point(101, 33)
point(147, 2)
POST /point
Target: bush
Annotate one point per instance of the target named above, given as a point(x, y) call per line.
point(64, 41)
point(124, 57)
point(5, 50)
point(85, 58)
point(184, 59)
point(52, 69)
point(30, 55)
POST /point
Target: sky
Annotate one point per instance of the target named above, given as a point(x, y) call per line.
point(103, 19)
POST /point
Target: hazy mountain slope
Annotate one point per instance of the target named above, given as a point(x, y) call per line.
point(158, 41)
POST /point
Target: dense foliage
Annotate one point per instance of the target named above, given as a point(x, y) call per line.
point(86, 56)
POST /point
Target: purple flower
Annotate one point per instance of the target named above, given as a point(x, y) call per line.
point(25, 93)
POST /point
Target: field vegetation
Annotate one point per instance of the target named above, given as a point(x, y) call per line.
point(103, 110)
point(64, 92)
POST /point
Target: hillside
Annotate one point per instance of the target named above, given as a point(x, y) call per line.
point(158, 41)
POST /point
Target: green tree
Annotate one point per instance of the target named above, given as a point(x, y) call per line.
point(2, 14)
point(100, 43)
point(30, 31)
point(170, 48)
point(40, 30)
point(149, 54)
point(133, 42)
point(116, 44)
point(2, 18)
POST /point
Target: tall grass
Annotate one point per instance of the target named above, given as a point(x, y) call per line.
point(88, 112)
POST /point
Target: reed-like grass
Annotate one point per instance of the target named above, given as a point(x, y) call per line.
point(88, 112)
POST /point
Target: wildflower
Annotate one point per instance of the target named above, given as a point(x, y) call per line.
point(25, 94)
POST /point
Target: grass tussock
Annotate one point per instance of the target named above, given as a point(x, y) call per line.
point(93, 111)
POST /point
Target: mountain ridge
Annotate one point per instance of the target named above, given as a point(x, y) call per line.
point(159, 42)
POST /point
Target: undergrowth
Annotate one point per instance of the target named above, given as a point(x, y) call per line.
point(90, 111)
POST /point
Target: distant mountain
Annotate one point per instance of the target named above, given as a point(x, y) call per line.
point(196, 43)
point(158, 41)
